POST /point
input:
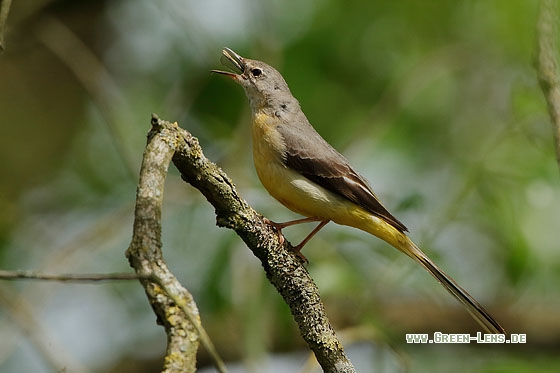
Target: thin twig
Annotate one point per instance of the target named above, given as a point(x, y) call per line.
point(94, 277)
point(62, 258)
point(547, 64)
point(4, 11)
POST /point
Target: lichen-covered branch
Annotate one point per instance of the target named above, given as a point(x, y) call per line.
point(172, 303)
point(283, 268)
point(547, 64)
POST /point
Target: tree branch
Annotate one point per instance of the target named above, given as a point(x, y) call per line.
point(92, 277)
point(172, 303)
point(283, 268)
point(547, 64)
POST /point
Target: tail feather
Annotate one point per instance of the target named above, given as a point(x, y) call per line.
point(472, 306)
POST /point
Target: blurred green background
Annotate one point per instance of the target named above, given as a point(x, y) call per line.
point(436, 103)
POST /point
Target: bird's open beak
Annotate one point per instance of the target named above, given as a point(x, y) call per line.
point(233, 61)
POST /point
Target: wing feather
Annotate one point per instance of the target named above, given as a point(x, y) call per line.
point(314, 158)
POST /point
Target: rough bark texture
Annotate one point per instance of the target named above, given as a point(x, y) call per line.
point(283, 268)
point(145, 255)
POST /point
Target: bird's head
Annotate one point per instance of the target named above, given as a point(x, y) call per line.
point(262, 83)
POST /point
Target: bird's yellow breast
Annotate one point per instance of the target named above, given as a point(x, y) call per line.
point(268, 148)
point(300, 194)
point(290, 188)
point(268, 144)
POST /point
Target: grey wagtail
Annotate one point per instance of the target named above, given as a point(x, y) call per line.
point(308, 176)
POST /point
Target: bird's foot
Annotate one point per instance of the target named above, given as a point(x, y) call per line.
point(278, 228)
point(297, 249)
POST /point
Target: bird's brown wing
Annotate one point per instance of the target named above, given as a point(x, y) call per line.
point(311, 156)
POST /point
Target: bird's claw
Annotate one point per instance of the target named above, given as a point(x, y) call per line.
point(278, 228)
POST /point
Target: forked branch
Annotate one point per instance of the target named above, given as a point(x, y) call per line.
point(283, 268)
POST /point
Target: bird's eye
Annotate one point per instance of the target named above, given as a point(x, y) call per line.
point(256, 72)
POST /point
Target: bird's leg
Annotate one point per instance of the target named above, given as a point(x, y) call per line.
point(280, 226)
point(297, 249)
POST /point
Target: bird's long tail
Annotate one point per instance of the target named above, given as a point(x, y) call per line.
point(472, 306)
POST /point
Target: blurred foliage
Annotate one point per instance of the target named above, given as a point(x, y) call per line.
point(436, 103)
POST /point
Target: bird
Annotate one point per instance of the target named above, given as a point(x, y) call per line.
point(307, 175)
